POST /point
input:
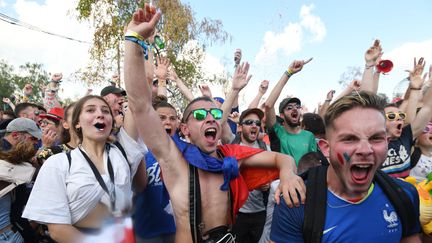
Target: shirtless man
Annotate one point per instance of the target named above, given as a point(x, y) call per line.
point(202, 125)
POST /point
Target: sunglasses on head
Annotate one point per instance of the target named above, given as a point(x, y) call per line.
point(391, 116)
point(201, 114)
point(250, 122)
point(290, 107)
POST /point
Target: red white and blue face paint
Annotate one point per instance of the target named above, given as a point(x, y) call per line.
point(343, 158)
point(346, 157)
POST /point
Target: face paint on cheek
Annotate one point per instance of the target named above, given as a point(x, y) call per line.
point(340, 159)
point(346, 156)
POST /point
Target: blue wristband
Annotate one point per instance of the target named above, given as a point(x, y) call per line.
point(139, 42)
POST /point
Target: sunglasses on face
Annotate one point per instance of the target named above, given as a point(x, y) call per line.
point(201, 114)
point(250, 122)
point(46, 122)
point(391, 116)
point(428, 129)
point(290, 107)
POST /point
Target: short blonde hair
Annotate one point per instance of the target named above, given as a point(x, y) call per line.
point(362, 99)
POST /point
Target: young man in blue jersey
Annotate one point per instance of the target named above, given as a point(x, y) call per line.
point(357, 209)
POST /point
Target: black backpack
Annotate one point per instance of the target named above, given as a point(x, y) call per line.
point(315, 210)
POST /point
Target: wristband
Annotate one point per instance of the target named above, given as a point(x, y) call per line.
point(134, 34)
point(328, 100)
point(415, 88)
point(139, 42)
point(289, 73)
point(369, 66)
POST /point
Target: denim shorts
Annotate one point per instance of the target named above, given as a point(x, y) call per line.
point(11, 237)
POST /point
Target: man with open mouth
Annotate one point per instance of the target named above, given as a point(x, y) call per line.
point(294, 141)
point(199, 175)
point(355, 202)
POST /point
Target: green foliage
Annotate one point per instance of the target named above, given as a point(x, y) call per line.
point(12, 82)
point(178, 27)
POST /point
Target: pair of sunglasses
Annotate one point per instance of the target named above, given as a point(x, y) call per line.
point(391, 116)
point(201, 114)
point(250, 122)
point(290, 107)
point(45, 122)
point(428, 128)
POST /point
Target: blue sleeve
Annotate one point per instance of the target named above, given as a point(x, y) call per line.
point(234, 109)
point(412, 193)
point(233, 126)
point(287, 225)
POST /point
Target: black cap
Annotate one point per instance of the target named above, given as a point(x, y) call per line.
point(112, 90)
point(256, 111)
point(286, 101)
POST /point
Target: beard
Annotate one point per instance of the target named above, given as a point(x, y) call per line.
point(245, 137)
point(290, 123)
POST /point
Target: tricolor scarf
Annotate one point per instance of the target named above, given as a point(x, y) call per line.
point(240, 181)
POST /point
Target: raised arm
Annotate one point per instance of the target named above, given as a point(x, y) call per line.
point(172, 75)
point(240, 80)
point(353, 86)
point(261, 91)
point(412, 94)
point(138, 90)
point(323, 109)
point(9, 102)
point(369, 81)
point(424, 115)
point(295, 67)
point(161, 73)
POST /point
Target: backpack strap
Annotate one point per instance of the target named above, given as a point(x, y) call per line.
point(315, 210)
point(237, 139)
point(69, 158)
point(194, 204)
point(261, 144)
point(399, 199)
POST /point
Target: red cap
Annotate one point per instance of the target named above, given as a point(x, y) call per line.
point(56, 113)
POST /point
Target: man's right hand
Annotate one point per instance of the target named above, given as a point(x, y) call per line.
point(263, 87)
point(373, 53)
point(297, 65)
point(144, 21)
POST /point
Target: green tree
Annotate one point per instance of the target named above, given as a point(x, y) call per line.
point(7, 86)
point(178, 27)
point(12, 81)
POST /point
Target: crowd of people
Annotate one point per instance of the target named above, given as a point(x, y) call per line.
point(214, 173)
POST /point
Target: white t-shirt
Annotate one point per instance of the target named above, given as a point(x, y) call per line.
point(422, 168)
point(63, 195)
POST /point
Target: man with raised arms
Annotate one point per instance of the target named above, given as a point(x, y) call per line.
point(218, 167)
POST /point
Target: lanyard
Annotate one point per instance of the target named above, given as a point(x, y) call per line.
point(98, 176)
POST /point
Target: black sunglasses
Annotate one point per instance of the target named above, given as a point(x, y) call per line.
point(250, 122)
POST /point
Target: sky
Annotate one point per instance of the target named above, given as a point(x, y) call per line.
point(271, 35)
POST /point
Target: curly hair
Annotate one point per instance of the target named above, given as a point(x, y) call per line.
point(21, 152)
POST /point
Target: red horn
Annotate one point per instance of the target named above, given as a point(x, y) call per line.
point(384, 66)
